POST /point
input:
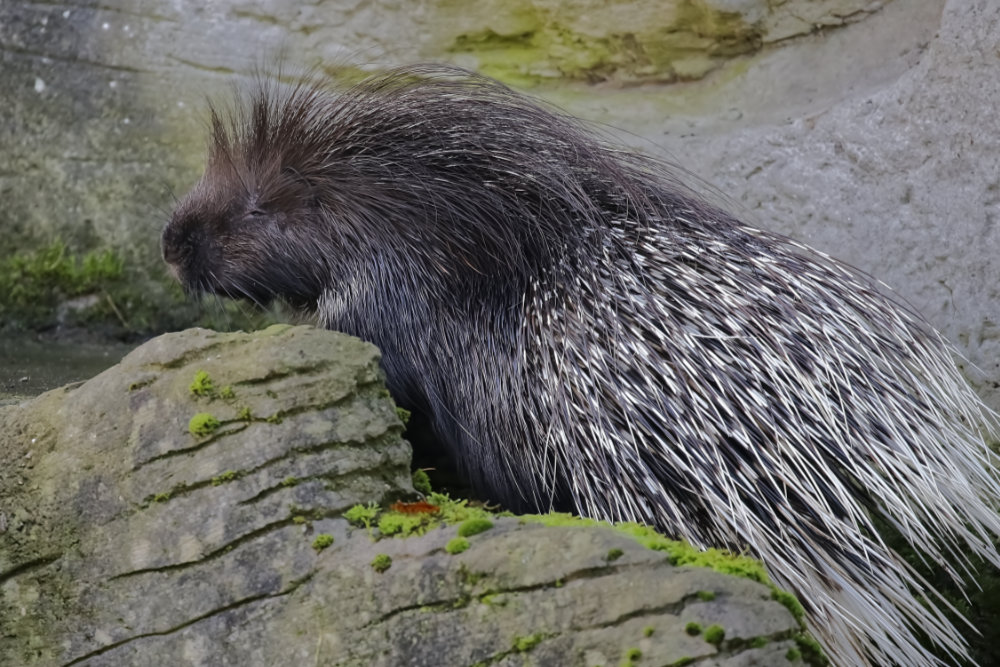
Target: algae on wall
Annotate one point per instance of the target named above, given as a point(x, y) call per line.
point(625, 42)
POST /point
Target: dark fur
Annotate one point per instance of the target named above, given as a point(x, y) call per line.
point(585, 334)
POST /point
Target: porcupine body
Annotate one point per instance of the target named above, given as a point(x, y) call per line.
point(586, 334)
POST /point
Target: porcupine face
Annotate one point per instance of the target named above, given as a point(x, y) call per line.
point(244, 230)
point(237, 245)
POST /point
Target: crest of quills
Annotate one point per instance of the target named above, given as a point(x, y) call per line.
point(586, 334)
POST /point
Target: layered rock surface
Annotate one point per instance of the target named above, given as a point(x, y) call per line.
point(170, 511)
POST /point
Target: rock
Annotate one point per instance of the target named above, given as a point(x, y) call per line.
point(119, 514)
point(184, 507)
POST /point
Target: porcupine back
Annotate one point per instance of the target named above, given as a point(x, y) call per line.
point(585, 333)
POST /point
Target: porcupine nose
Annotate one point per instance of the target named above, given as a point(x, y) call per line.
point(178, 244)
point(169, 247)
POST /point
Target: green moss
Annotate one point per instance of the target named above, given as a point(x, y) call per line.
point(682, 553)
point(244, 414)
point(203, 424)
point(793, 654)
point(630, 658)
point(791, 603)
point(714, 634)
point(706, 596)
point(227, 392)
point(101, 291)
point(422, 482)
point(289, 481)
point(161, 497)
point(693, 629)
point(403, 525)
point(474, 526)
point(298, 519)
point(524, 644)
point(33, 284)
point(456, 545)
point(561, 519)
point(811, 651)
point(362, 515)
point(381, 562)
point(403, 414)
point(227, 476)
point(457, 511)
point(648, 631)
point(540, 42)
point(759, 642)
point(494, 599)
point(322, 541)
point(469, 577)
point(202, 385)
point(274, 419)
point(614, 554)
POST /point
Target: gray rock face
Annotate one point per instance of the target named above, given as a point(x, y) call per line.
point(167, 512)
point(120, 521)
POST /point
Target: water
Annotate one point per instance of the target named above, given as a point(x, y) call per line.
point(29, 367)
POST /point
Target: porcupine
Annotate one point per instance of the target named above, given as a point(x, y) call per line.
point(585, 333)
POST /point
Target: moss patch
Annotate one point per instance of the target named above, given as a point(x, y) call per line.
point(33, 284)
point(630, 658)
point(474, 526)
point(403, 525)
point(381, 562)
point(322, 541)
point(523, 644)
point(227, 476)
point(362, 516)
point(202, 385)
point(103, 291)
point(422, 482)
point(532, 43)
point(791, 603)
point(682, 553)
point(203, 425)
point(714, 634)
point(456, 545)
point(810, 650)
point(403, 414)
